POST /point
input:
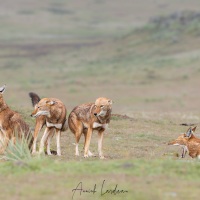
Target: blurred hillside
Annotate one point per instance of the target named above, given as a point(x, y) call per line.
point(142, 54)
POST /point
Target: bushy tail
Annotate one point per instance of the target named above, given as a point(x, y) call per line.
point(65, 126)
point(34, 98)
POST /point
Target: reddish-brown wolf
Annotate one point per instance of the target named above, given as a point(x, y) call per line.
point(52, 113)
point(11, 125)
point(86, 118)
point(189, 143)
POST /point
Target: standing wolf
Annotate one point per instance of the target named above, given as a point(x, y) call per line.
point(11, 125)
point(52, 113)
point(89, 117)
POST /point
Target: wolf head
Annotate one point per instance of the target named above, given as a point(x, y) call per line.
point(43, 107)
point(102, 106)
point(183, 139)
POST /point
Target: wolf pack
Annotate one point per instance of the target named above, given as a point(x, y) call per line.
point(84, 119)
point(51, 114)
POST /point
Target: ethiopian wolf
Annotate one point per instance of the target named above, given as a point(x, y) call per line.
point(52, 113)
point(88, 117)
point(189, 143)
point(11, 125)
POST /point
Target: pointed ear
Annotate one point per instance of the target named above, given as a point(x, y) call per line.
point(110, 101)
point(50, 103)
point(92, 108)
point(189, 132)
point(193, 130)
point(2, 89)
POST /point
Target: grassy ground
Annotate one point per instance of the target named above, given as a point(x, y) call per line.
point(150, 179)
point(146, 61)
point(138, 160)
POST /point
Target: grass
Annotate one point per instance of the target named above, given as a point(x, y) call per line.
point(138, 160)
point(144, 176)
point(188, 170)
point(19, 150)
point(151, 73)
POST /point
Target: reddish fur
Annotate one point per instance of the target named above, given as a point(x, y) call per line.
point(191, 142)
point(11, 124)
point(57, 112)
point(82, 118)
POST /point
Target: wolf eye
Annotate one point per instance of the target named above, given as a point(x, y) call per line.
point(101, 106)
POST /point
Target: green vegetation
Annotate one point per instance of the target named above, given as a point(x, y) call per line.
point(163, 178)
point(148, 63)
point(135, 167)
point(18, 150)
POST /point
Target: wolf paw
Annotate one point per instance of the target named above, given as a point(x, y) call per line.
point(90, 154)
point(86, 156)
point(102, 157)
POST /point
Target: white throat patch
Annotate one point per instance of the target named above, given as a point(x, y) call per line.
point(97, 125)
point(58, 126)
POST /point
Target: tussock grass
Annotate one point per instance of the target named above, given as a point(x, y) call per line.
point(18, 151)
